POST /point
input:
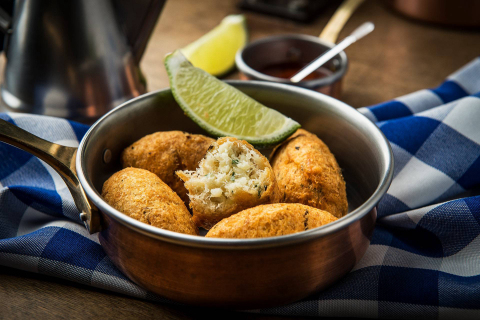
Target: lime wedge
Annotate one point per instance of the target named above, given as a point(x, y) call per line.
point(223, 110)
point(215, 51)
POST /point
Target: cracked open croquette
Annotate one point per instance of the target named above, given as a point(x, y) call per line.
point(232, 176)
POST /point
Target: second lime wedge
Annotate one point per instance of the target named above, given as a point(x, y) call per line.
point(215, 51)
point(223, 110)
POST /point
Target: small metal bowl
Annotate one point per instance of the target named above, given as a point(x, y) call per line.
point(293, 48)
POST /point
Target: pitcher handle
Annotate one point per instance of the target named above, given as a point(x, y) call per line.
point(5, 22)
point(62, 160)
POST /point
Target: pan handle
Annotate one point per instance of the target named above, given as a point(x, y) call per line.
point(62, 160)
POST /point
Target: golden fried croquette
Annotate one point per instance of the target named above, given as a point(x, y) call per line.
point(270, 220)
point(143, 196)
point(307, 173)
point(163, 153)
point(232, 176)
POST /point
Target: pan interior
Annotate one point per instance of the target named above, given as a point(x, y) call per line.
point(355, 142)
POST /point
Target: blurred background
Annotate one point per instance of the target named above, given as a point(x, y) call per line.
point(415, 45)
point(402, 55)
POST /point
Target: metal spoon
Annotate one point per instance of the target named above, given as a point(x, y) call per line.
point(357, 34)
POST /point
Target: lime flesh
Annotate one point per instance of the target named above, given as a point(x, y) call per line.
point(223, 110)
point(215, 51)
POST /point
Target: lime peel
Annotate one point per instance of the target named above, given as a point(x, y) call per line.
point(223, 110)
point(215, 51)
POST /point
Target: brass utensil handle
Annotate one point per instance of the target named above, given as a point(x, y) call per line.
point(339, 19)
point(62, 160)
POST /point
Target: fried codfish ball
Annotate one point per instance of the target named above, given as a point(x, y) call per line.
point(143, 196)
point(232, 176)
point(163, 153)
point(271, 220)
point(307, 173)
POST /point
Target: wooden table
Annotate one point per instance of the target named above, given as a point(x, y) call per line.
point(399, 57)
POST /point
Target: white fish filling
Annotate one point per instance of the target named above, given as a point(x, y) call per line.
point(226, 170)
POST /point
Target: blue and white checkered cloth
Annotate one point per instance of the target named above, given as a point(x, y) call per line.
point(424, 259)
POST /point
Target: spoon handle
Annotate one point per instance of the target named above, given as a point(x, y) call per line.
point(339, 19)
point(357, 34)
point(362, 31)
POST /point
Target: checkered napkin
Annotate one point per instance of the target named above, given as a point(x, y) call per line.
point(424, 259)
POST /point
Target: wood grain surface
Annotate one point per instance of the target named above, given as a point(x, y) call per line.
point(31, 296)
point(399, 57)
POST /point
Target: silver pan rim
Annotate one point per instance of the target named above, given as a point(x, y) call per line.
point(234, 244)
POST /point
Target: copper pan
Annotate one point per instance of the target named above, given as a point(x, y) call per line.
point(234, 273)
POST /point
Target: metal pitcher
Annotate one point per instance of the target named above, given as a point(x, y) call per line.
point(75, 59)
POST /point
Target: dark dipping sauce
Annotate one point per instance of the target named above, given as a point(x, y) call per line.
point(286, 70)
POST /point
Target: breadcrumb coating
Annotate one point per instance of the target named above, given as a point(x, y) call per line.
point(307, 172)
point(165, 152)
point(142, 195)
point(270, 220)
